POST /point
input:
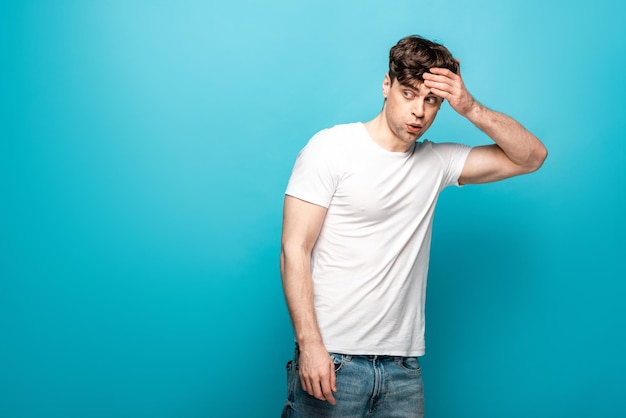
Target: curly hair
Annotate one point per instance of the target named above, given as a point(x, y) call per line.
point(412, 56)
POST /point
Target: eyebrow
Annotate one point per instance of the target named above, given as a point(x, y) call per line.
point(417, 90)
point(406, 86)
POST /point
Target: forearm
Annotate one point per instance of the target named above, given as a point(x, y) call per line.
point(517, 151)
point(520, 146)
point(298, 289)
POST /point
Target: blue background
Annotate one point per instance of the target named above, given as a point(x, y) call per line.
point(144, 150)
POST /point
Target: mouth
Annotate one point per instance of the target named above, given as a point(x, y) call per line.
point(414, 127)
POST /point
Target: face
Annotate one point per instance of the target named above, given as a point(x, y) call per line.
point(409, 110)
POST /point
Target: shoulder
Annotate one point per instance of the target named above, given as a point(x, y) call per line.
point(341, 132)
point(335, 138)
point(443, 150)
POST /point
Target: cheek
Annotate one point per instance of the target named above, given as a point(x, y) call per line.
point(393, 108)
point(432, 112)
point(402, 108)
point(430, 118)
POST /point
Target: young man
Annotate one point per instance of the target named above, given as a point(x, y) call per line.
point(356, 236)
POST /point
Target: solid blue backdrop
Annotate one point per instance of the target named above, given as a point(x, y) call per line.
point(144, 151)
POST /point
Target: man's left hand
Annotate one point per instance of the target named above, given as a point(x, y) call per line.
point(448, 85)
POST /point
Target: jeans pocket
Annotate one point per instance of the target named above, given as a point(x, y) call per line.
point(292, 380)
point(288, 410)
point(410, 364)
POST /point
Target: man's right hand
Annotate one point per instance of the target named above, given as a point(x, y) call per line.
point(317, 372)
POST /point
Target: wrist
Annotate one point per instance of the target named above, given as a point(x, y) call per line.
point(309, 341)
point(474, 111)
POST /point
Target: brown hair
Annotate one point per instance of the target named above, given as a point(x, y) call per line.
point(413, 56)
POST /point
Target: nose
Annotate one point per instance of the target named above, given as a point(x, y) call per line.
point(418, 108)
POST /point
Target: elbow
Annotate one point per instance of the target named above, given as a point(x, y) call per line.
point(281, 261)
point(541, 157)
point(537, 159)
point(292, 254)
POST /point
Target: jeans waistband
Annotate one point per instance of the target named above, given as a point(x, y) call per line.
point(365, 356)
point(372, 357)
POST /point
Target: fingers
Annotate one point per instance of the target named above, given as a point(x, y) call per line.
point(320, 383)
point(333, 379)
point(441, 89)
point(444, 83)
point(450, 86)
point(327, 387)
point(439, 84)
point(305, 383)
point(441, 71)
point(321, 388)
point(446, 72)
point(441, 76)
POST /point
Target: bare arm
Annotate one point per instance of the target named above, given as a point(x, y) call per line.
point(302, 222)
point(516, 151)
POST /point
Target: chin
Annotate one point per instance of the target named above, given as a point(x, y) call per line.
point(414, 137)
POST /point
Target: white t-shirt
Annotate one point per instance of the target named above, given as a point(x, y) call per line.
point(370, 262)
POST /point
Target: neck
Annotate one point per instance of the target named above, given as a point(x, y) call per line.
point(381, 133)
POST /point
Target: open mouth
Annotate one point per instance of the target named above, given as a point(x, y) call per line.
point(414, 127)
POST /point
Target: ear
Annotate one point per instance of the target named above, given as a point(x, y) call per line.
point(386, 85)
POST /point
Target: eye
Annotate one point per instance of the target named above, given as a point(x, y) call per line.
point(432, 100)
point(408, 94)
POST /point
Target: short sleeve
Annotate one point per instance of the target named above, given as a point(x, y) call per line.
point(314, 175)
point(453, 157)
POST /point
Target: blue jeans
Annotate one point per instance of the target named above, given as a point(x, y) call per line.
point(367, 386)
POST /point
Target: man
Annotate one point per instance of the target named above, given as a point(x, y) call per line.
point(356, 236)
